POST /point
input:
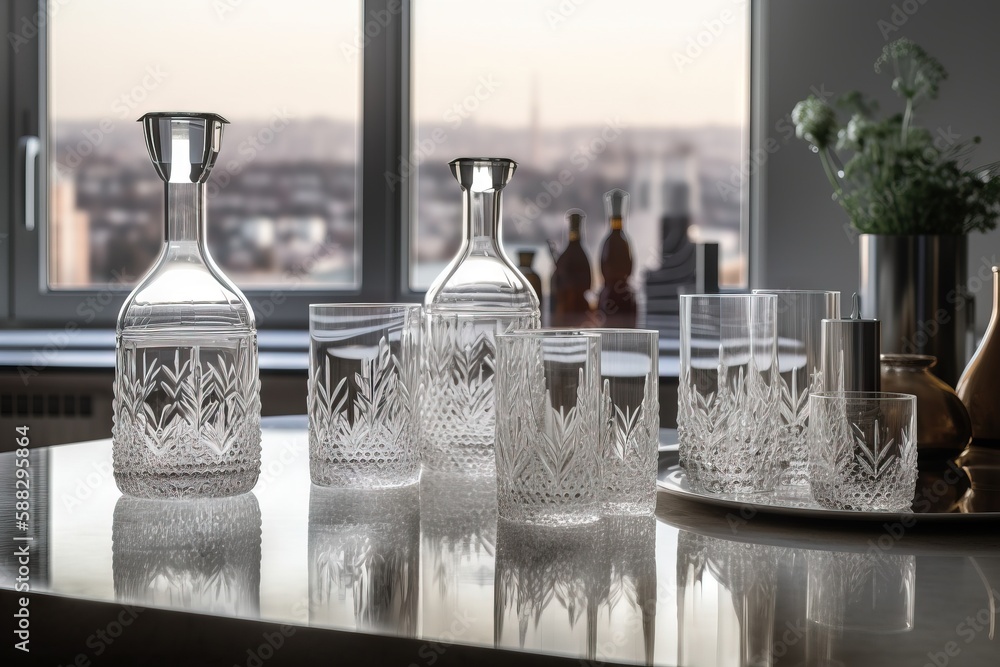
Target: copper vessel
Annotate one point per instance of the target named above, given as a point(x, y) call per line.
point(979, 386)
point(943, 426)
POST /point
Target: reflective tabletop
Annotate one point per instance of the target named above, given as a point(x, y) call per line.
point(694, 585)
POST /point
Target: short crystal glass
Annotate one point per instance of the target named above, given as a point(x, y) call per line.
point(630, 418)
point(364, 394)
point(728, 395)
point(548, 444)
point(863, 450)
point(799, 328)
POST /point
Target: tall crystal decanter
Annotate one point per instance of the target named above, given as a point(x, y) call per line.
point(479, 294)
point(187, 392)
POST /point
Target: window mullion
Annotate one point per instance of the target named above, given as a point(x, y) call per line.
point(384, 26)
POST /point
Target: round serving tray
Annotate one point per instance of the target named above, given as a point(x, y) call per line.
point(672, 480)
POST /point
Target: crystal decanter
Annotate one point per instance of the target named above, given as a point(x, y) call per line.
point(479, 294)
point(187, 393)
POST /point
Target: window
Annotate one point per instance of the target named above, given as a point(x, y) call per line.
point(647, 95)
point(350, 110)
point(281, 199)
point(284, 202)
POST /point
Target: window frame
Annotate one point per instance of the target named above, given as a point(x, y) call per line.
point(384, 134)
point(28, 302)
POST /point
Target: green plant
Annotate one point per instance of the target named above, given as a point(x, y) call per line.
point(899, 178)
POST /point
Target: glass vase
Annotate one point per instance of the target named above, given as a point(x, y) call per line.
point(479, 294)
point(187, 393)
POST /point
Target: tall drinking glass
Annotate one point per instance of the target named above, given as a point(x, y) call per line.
point(728, 396)
point(630, 418)
point(799, 321)
point(548, 444)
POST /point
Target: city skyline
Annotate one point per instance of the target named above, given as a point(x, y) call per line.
point(116, 189)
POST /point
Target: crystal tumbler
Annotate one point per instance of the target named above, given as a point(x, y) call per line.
point(630, 418)
point(799, 321)
point(548, 444)
point(728, 396)
point(363, 394)
point(863, 450)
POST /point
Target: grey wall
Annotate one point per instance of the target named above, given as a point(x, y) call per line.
point(830, 45)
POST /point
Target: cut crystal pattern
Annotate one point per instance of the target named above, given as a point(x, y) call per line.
point(548, 461)
point(362, 430)
point(630, 439)
point(794, 412)
point(458, 368)
point(729, 438)
point(860, 462)
point(187, 419)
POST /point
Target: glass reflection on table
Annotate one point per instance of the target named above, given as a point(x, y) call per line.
point(458, 525)
point(726, 600)
point(202, 555)
point(585, 590)
point(629, 604)
point(856, 593)
point(691, 586)
point(364, 557)
point(550, 581)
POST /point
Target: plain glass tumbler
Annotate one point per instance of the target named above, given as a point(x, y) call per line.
point(364, 394)
point(548, 436)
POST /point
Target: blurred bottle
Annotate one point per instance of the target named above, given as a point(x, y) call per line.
point(525, 258)
point(616, 303)
point(571, 279)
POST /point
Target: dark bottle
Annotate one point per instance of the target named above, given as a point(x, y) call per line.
point(617, 300)
point(525, 258)
point(572, 278)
